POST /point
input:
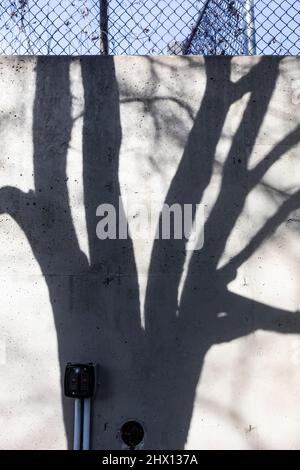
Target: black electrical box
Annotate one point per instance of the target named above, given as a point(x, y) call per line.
point(79, 380)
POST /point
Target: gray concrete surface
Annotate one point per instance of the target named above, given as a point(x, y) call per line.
point(200, 347)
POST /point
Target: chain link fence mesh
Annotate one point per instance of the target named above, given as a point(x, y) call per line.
point(149, 27)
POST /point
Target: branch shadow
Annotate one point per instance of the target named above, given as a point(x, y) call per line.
point(208, 314)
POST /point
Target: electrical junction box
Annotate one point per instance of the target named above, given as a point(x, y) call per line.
point(79, 380)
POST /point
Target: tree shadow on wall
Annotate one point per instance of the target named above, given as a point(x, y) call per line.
point(148, 374)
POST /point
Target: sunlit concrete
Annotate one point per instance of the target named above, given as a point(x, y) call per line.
point(151, 316)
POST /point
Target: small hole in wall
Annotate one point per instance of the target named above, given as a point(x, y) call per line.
point(132, 433)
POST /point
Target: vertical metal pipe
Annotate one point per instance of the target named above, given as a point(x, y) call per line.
point(86, 423)
point(250, 36)
point(77, 424)
point(104, 50)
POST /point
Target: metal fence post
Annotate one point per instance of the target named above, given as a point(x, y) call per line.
point(250, 36)
point(104, 49)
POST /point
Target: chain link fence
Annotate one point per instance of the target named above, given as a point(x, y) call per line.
point(149, 27)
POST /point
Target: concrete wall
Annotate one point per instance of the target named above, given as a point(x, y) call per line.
point(200, 347)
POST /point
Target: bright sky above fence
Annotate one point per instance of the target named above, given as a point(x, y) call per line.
point(71, 27)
